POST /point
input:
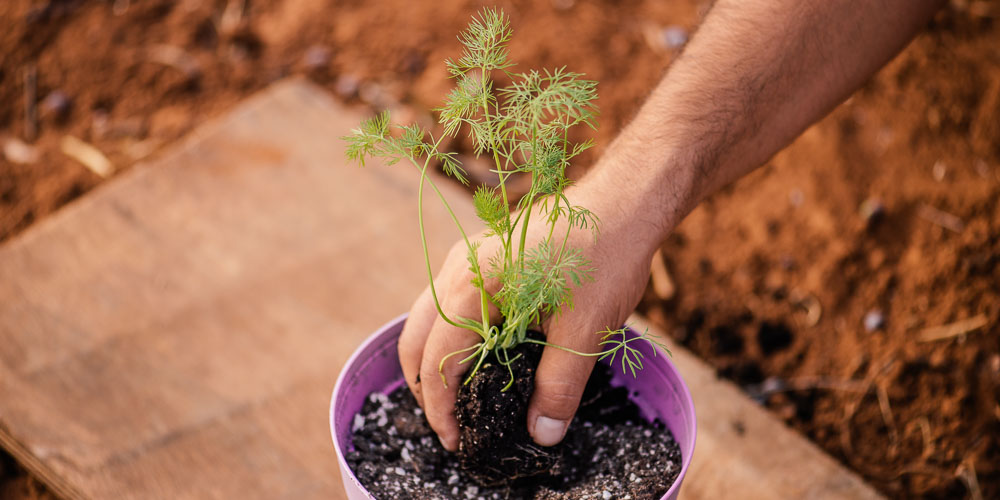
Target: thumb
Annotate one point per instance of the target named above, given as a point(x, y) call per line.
point(559, 383)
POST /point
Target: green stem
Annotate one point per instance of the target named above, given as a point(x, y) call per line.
point(496, 160)
point(423, 243)
point(510, 370)
point(569, 227)
point(511, 230)
point(476, 346)
point(472, 373)
point(567, 349)
point(552, 228)
point(531, 198)
point(485, 298)
point(465, 238)
point(524, 225)
point(506, 203)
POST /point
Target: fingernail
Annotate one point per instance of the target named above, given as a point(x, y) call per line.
point(444, 443)
point(549, 431)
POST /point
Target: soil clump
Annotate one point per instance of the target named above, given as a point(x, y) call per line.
point(609, 452)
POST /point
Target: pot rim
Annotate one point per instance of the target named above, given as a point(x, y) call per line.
point(687, 455)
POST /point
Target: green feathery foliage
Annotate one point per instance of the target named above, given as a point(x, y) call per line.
point(631, 357)
point(524, 129)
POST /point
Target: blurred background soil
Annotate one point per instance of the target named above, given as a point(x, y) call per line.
point(819, 283)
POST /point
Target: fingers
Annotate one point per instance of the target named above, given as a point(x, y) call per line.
point(427, 339)
point(412, 339)
point(439, 396)
point(559, 382)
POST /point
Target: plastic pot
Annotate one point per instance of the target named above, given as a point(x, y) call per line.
point(375, 367)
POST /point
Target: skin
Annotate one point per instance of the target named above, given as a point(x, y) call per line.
point(754, 76)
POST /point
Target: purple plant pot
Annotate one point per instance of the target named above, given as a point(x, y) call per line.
point(661, 393)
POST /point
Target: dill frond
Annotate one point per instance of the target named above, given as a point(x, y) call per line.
point(485, 42)
point(524, 129)
point(365, 141)
point(631, 357)
point(491, 209)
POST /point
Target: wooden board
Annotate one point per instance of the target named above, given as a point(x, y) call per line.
point(177, 333)
point(742, 451)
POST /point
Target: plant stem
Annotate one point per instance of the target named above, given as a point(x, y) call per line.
point(524, 224)
point(552, 227)
point(476, 346)
point(503, 188)
point(569, 227)
point(472, 373)
point(567, 349)
point(423, 243)
point(494, 144)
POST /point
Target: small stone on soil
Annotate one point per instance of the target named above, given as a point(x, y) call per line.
point(874, 320)
point(347, 86)
point(871, 210)
point(939, 170)
point(316, 57)
point(674, 36)
point(796, 197)
point(606, 455)
point(57, 104)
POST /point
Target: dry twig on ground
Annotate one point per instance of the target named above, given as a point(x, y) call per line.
point(953, 329)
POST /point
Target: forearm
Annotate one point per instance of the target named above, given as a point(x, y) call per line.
point(755, 75)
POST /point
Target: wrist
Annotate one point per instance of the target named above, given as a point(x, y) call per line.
point(638, 200)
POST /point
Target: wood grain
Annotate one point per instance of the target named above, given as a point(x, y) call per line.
point(742, 451)
point(177, 332)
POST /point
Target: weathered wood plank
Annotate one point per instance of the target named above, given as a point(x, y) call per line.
point(742, 451)
point(176, 333)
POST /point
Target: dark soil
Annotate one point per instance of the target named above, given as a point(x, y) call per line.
point(609, 452)
point(796, 246)
point(495, 447)
point(17, 484)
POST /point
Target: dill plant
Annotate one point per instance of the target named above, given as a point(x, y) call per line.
point(523, 128)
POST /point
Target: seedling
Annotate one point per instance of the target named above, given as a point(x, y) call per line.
point(524, 129)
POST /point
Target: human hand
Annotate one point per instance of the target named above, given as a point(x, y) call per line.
point(621, 266)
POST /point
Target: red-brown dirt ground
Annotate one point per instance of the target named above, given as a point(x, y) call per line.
point(811, 282)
